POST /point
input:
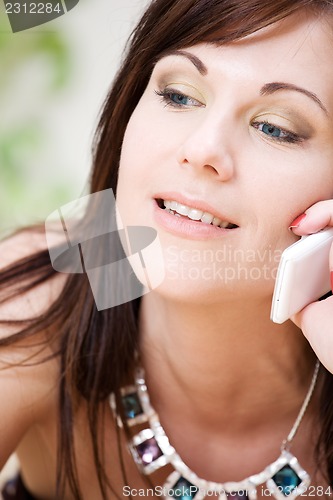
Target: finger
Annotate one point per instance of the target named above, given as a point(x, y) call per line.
point(314, 219)
point(315, 321)
point(331, 266)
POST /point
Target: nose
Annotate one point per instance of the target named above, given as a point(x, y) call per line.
point(206, 149)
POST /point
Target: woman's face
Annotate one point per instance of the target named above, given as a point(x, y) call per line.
point(242, 132)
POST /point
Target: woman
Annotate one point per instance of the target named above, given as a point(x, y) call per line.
point(220, 121)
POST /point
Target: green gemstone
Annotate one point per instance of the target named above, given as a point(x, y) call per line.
point(132, 405)
point(184, 490)
point(287, 480)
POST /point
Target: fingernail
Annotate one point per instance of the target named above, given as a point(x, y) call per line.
point(295, 223)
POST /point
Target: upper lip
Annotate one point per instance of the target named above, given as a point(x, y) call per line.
point(193, 203)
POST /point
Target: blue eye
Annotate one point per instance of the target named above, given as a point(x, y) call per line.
point(174, 98)
point(179, 99)
point(277, 133)
point(271, 130)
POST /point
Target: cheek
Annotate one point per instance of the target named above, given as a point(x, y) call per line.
point(134, 153)
point(285, 185)
point(134, 143)
point(137, 168)
point(276, 187)
point(142, 147)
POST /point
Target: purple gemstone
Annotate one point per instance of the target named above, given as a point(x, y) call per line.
point(238, 495)
point(149, 451)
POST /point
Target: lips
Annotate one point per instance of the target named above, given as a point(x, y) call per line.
point(194, 214)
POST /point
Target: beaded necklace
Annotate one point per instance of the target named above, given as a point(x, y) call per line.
point(151, 450)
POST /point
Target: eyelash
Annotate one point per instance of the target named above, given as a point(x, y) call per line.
point(166, 99)
point(290, 137)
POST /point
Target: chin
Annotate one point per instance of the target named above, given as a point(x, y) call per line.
point(215, 282)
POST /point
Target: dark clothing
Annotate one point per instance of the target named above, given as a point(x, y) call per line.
point(16, 490)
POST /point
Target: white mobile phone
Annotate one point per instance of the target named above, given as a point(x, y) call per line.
point(303, 275)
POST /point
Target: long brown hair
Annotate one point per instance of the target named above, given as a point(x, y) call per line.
point(96, 348)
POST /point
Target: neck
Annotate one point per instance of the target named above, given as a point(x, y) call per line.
point(227, 355)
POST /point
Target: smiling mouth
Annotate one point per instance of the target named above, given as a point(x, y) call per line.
point(193, 214)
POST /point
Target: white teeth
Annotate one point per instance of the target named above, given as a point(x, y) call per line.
point(183, 209)
point(207, 218)
point(194, 214)
point(216, 221)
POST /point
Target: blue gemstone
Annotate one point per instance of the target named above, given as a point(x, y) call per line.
point(132, 405)
point(184, 490)
point(287, 480)
point(238, 495)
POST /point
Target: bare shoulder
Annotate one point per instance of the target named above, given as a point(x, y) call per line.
point(29, 392)
point(28, 385)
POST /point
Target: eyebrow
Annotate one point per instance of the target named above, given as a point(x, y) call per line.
point(191, 57)
point(267, 89)
point(271, 88)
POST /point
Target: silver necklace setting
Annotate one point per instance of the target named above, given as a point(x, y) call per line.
point(151, 450)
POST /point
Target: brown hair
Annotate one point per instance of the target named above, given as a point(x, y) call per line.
point(96, 348)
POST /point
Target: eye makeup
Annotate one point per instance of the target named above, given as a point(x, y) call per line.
point(177, 99)
point(278, 117)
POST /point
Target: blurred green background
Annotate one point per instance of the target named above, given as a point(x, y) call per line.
point(53, 80)
point(24, 195)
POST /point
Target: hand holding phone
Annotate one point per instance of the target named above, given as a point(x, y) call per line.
point(303, 275)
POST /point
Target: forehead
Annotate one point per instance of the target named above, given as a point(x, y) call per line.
point(303, 39)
